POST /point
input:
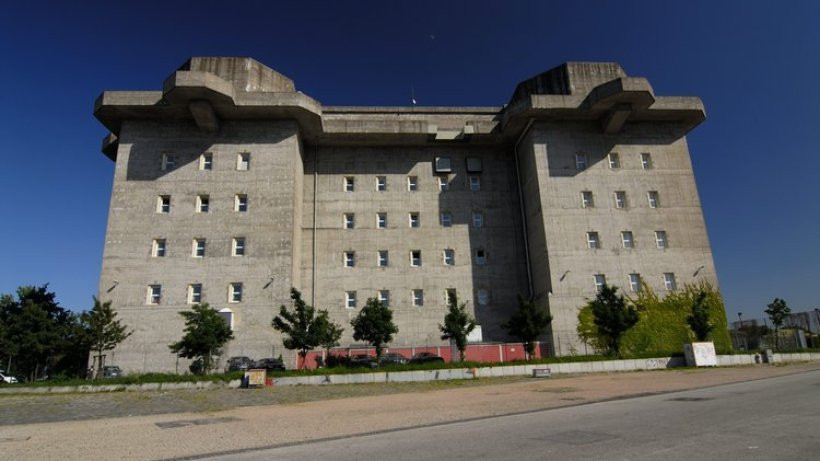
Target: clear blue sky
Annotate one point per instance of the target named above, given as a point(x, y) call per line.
point(754, 64)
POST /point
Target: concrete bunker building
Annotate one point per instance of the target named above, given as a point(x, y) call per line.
point(231, 187)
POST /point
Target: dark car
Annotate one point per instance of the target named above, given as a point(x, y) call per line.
point(270, 364)
point(426, 357)
point(239, 363)
point(393, 358)
point(111, 371)
point(362, 360)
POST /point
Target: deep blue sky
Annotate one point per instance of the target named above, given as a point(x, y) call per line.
point(754, 64)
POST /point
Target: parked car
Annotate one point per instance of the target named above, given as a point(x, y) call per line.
point(112, 371)
point(240, 363)
point(270, 364)
point(426, 357)
point(362, 360)
point(7, 378)
point(393, 358)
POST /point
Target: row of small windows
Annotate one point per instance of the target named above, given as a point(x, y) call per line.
point(636, 282)
point(443, 181)
point(620, 199)
point(448, 258)
point(413, 220)
point(159, 247)
point(416, 297)
point(195, 293)
point(203, 203)
point(206, 161)
point(627, 240)
point(614, 160)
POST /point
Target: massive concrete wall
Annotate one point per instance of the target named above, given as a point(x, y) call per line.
point(571, 263)
point(502, 276)
point(270, 227)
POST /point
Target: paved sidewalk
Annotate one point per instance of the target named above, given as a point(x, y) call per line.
point(162, 436)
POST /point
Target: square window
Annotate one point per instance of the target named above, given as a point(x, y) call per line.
point(243, 161)
point(164, 204)
point(350, 258)
point(475, 183)
point(480, 257)
point(241, 203)
point(654, 201)
point(449, 257)
point(199, 248)
point(384, 258)
point(206, 161)
point(586, 199)
point(446, 219)
point(669, 281)
point(350, 299)
point(384, 297)
point(202, 203)
point(154, 294)
point(635, 282)
point(614, 161)
point(415, 258)
point(381, 220)
point(443, 183)
point(349, 220)
point(600, 281)
point(592, 240)
point(414, 220)
point(239, 246)
point(626, 238)
point(646, 161)
point(381, 183)
point(158, 248)
point(620, 199)
point(412, 183)
point(474, 165)
point(235, 292)
point(195, 293)
point(169, 162)
point(349, 183)
point(450, 296)
point(580, 162)
point(483, 296)
point(418, 297)
point(660, 239)
point(442, 165)
point(478, 219)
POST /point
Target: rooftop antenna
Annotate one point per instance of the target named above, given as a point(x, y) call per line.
point(412, 95)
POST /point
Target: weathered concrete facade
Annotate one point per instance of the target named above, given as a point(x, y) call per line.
point(228, 178)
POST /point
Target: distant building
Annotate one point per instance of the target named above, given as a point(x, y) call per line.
point(807, 321)
point(231, 187)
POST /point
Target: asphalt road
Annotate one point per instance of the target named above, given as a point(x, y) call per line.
point(769, 419)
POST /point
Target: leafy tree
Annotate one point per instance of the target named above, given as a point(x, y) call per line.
point(206, 333)
point(103, 331)
point(777, 311)
point(612, 317)
point(698, 320)
point(457, 324)
point(328, 331)
point(298, 327)
point(528, 323)
point(37, 333)
point(374, 324)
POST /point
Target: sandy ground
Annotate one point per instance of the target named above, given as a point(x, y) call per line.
point(190, 434)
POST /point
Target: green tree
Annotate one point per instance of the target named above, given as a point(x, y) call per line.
point(612, 317)
point(777, 311)
point(374, 325)
point(206, 333)
point(699, 320)
point(102, 331)
point(457, 324)
point(528, 323)
point(329, 332)
point(299, 327)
